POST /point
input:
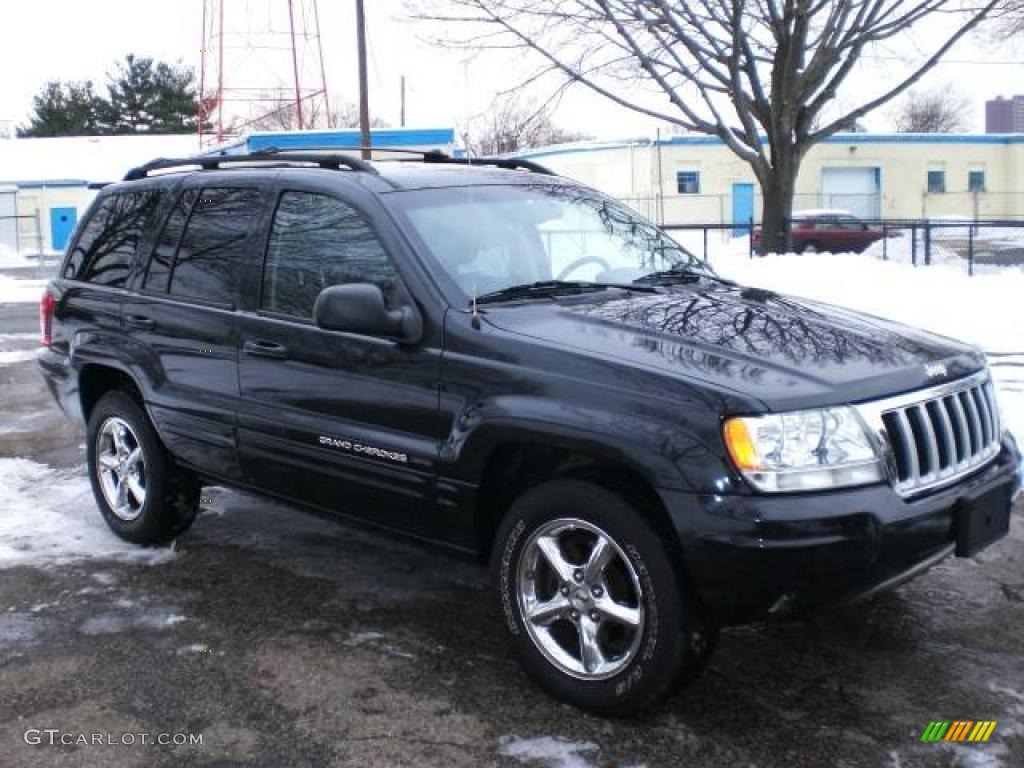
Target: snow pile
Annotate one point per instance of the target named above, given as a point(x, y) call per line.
point(985, 310)
point(549, 751)
point(899, 247)
point(11, 258)
point(14, 291)
point(49, 517)
point(7, 357)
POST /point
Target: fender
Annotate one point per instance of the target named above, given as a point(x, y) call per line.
point(666, 455)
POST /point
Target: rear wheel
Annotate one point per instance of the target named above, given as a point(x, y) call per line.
point(811, 246)
point(143, 496)
point(592, 601)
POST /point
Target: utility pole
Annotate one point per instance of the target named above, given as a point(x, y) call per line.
point(401, 120)
point(364, 101)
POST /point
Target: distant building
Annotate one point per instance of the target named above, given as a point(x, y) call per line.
point(55, 179)
point(342, 140)
point(1005, 115)
point(697, 179)
point(46, 184)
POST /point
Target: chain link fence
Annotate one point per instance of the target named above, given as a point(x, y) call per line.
point(701, 208)
point(21, 235)
point(971, 244)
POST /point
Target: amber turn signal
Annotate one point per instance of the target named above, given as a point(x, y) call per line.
point(740, 444)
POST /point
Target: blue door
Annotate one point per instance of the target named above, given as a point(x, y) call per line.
point(742, 208)
point(62, 224)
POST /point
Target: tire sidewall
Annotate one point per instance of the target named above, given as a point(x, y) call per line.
point(145, 528)
point(659, 658)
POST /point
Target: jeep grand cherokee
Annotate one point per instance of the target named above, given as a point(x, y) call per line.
point(516, 366)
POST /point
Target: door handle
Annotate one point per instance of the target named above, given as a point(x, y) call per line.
point(265, 349)
point(139, 321)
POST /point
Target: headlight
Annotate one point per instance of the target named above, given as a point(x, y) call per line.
point(803, 450)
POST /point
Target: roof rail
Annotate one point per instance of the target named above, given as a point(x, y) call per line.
point(213, 162)
point(428, 156)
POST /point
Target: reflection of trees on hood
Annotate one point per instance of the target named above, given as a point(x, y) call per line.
point(769, 326)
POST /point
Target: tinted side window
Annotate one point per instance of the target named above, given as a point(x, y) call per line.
point(163, 255)
point(106, 247)
point(210, 253)
point(315, 242)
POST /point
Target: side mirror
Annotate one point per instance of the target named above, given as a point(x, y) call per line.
point(360, 308)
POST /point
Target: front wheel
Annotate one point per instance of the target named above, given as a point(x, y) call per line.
point(592, 601)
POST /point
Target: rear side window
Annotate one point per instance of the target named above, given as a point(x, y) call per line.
point(317, 241)
point(106, 246)
point(200, 251)
point(163, 255)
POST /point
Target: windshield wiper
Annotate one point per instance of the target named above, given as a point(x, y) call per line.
point(681, 274)
point(539, 289)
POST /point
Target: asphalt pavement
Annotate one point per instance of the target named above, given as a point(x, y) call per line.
point(285, 640)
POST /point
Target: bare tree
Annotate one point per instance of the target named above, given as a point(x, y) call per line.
point(762, 75)
point(942, 110)
point(511, 124)
point(1008, 21)
point(278, 113)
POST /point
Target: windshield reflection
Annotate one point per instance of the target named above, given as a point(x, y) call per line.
point(488, 238)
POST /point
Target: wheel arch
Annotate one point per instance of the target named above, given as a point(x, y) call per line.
point(514, 466)
point(96, 379)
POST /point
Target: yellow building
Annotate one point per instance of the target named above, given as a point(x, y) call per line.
point(697, 179)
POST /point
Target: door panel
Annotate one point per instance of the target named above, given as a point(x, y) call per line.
point(341, 420)
point(345, 422)
point(190, 356)
point(184, 323)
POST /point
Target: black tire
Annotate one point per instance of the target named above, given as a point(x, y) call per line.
point(811, 246)
point(672, 645)
point(171, 493)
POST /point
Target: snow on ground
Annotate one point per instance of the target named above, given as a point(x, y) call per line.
point(49, 517)
point(11, 258)
point(985, 310)
point(17, 355)
point(113, 623)
point(549, 751)
point(14, 291)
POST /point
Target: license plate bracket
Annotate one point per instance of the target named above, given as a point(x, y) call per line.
point(982, 521)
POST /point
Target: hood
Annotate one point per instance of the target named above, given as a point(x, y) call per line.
point(782, 351)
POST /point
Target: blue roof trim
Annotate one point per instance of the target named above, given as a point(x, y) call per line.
point(383, 137)
point(40, 184)
point(838, 138)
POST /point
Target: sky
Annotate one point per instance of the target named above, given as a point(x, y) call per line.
point(42, 40)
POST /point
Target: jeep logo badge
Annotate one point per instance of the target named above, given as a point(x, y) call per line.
point(935, 370)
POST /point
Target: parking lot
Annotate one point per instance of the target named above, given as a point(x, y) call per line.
point(285, 640)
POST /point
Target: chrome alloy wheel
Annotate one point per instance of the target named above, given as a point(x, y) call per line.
point(580, 599)
point(121, 468)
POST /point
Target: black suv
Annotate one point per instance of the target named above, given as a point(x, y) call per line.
point(513, 365)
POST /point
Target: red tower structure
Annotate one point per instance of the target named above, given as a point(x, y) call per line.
point(261, 67)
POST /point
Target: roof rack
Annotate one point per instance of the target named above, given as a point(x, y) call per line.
point(213, 162)
point(429, 156)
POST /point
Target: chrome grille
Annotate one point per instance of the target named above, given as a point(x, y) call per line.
point(938, 435)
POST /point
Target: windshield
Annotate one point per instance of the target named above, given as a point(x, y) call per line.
point(489, 238)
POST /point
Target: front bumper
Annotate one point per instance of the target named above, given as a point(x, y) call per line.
point(757, 556)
